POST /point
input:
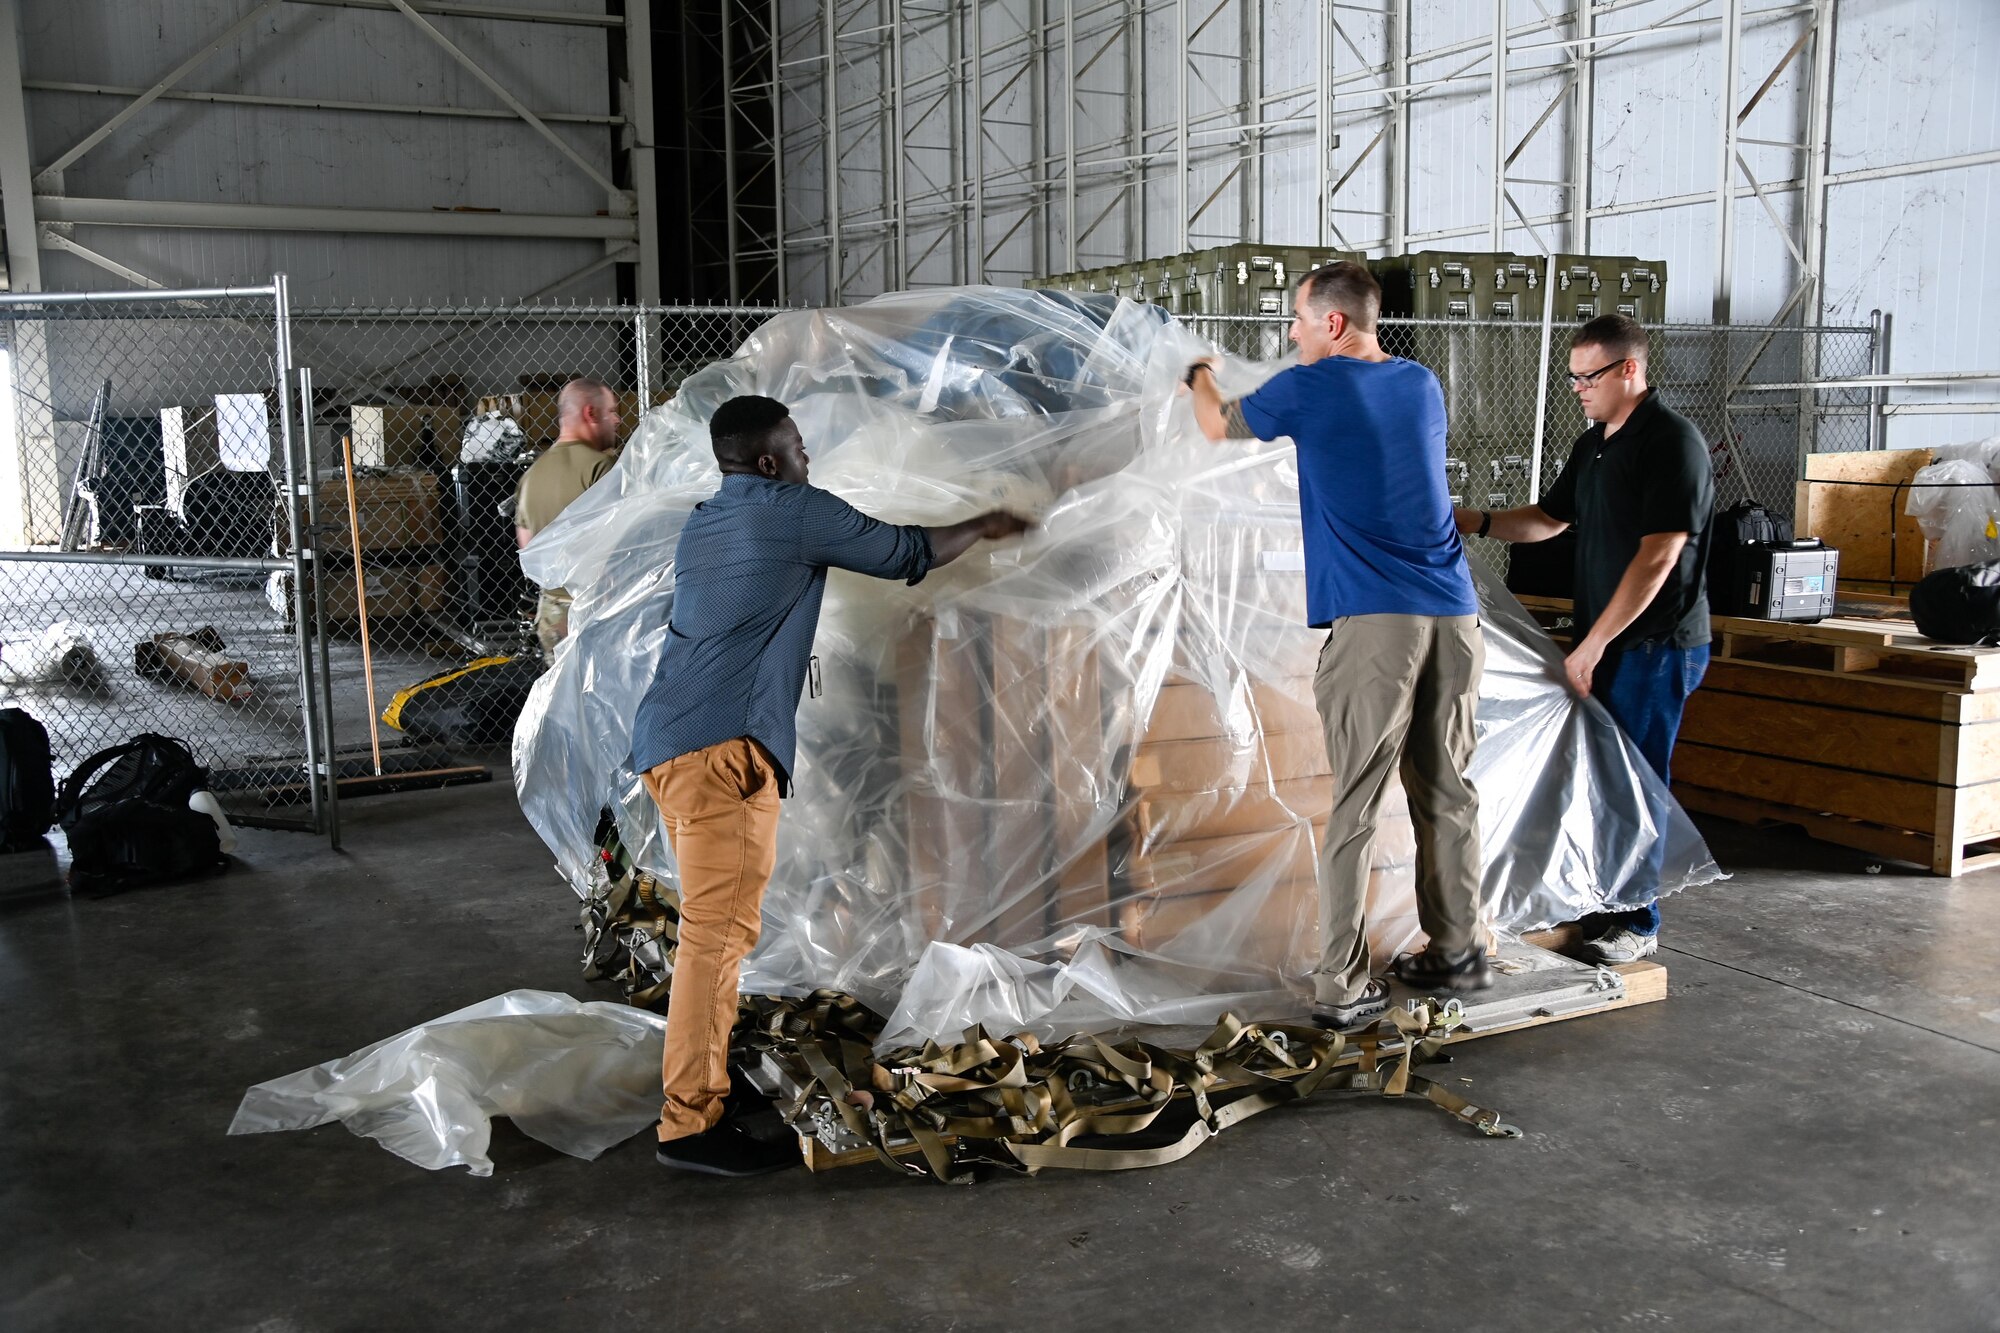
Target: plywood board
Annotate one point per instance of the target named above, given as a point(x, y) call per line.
point(1895, 697)
point(1855, 503)
point(1904, 747)
point(1891, 801)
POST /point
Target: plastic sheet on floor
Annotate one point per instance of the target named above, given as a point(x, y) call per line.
point(1075, 780)
point(578, 1076)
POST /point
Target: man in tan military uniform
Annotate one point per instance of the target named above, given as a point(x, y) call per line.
point(587, 433)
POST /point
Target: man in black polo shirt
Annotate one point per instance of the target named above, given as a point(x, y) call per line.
point(1641, 491)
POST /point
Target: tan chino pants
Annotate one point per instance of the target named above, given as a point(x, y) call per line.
point(721, 811)
point(1396, 695)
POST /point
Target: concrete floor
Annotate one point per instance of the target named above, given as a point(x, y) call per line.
point(1806, 1135)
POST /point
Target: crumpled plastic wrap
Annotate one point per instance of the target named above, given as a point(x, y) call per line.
point(1956, 503)
point(1072, 781)
point(579, 1076)
point(60, 655)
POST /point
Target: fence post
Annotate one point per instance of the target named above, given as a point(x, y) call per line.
point(294, 490)
point(1542, 380)
point(323, 725)
point(642, 357)
point(1880, 323)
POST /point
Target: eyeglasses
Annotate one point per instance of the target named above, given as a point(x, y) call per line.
point(1578, 381)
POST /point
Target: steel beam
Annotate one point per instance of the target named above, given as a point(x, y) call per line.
point(1322, 118)
point(836, 255)
point(777, 162)
point(146, 98)
point(17, 191)
point(316, 103)
point(512, 102)
point(1725, 166)
point(1582, 125)
point(1497, 226)
point(641, 147)
point(506, 13)
point(1181, 128)
point(381, 221)
point(730, 180)
point(1069, 134)
point(51, 239)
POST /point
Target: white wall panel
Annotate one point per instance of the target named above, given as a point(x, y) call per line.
point(184, 151)
point(1913, 80)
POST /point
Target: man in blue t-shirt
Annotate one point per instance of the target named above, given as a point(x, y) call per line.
point(1398, 678)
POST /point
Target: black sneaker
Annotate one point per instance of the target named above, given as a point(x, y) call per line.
point(1433, 969)
point(727, 1150)
point(1371, 1004)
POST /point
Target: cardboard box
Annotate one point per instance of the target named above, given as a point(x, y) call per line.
point(394, 437)
point(395, 512)
point(1187, 711)
point(391, 592)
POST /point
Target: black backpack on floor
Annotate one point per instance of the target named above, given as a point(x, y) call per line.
point(1959, 605)
point(125, 811)
point(27, 786)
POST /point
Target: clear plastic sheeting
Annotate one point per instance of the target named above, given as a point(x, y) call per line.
point(1072, 781)
point(577, 1076)
point(60, 655)
point(1956, 502)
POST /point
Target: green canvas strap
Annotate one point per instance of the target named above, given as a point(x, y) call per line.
point(1018, 1103)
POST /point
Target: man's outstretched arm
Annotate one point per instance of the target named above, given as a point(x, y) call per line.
point(949, 543)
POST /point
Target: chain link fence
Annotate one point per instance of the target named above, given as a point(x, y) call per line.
point(440, 414)
point(200, 526)
point(146, 427)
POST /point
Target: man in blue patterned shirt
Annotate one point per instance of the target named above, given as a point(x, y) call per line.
point(716, 733)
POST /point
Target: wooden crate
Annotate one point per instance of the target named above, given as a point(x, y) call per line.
point(1902, 768)
point(1862, 732)
point(1889, 650)
point(1855, 503)
point(395, 512)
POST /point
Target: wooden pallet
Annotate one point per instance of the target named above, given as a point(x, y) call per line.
point(1941, 853)
point(1879, 649)
point(1645, 983)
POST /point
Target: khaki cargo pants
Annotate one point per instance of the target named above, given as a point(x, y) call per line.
point(720, 806)
point(551, 620)
point(1396, 695)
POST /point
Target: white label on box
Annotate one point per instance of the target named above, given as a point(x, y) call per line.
point(1292, 560)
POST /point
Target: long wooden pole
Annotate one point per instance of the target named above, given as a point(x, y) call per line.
point(361, 606)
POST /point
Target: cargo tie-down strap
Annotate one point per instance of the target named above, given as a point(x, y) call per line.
point(631, 912)
point(1018, 1103)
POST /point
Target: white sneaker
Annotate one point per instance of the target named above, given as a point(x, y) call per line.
point(1621, 944)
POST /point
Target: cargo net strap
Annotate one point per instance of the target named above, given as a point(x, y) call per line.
point(631, 925)
point(1082, 1103)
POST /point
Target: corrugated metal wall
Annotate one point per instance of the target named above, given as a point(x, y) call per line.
point(233, 154)
point(1911, 83)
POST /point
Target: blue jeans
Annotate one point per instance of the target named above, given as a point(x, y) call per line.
point(1645, 687)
